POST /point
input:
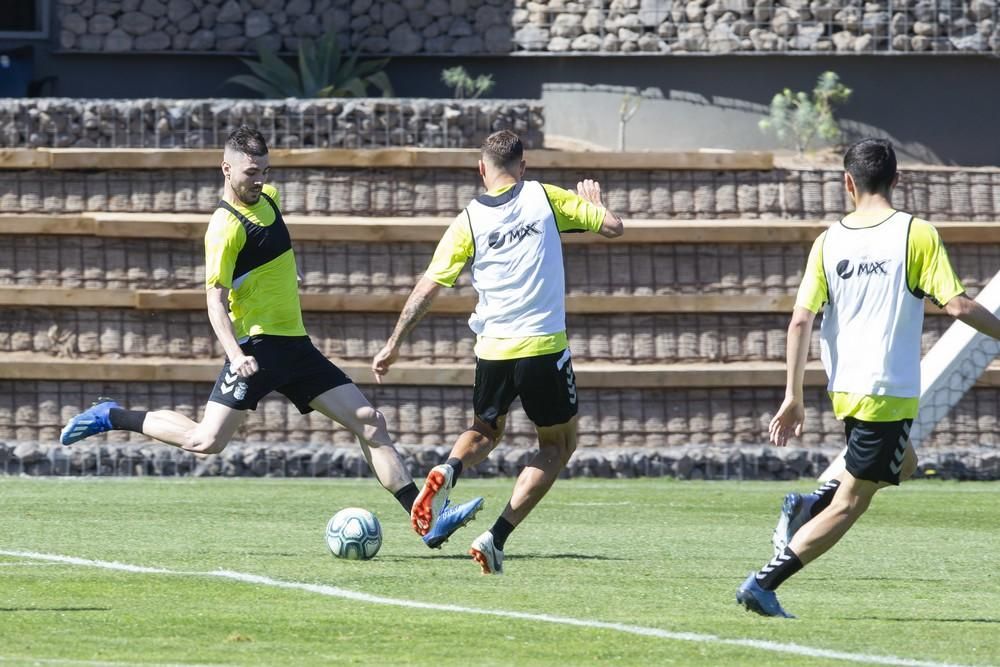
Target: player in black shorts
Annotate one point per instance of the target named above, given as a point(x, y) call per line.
point(869, 273)
point(511, 236)
point(253, 304)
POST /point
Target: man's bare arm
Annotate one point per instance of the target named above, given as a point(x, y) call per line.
point(790, 418)
point(417, 305)
point(217, 298)
point(974, 314)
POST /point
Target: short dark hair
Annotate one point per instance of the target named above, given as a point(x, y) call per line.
point(503, 149)
point(872, 165)
point(248, 141)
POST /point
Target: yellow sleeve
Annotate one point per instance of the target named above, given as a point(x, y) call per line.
point(573, 212)
point(813, 290)
point(223, 241)
point(272, 192)
point(928, 269)
point(454, 249)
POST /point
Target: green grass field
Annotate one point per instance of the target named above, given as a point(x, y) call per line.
point(918, 578)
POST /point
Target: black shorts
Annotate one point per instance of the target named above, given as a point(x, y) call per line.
point(546, 385)
point(875, 450)
point(290, 365)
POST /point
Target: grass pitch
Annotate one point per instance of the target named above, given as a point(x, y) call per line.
point(918, 577)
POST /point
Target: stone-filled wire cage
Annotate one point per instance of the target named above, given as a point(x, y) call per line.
point(728, 26)
point(496, 27)
point(291, 123)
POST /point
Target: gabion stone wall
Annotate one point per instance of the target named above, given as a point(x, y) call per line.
point(934, 194)
point(291, 123)
point(289, 460)
point(406, 27)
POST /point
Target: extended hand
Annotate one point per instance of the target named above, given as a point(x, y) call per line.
point(243, 366)
point(788, 421)
point(590, 190)
point(383, 360)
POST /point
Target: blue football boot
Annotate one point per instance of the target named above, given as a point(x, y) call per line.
point(91, 421)
point(758, 600)
point(451, 518)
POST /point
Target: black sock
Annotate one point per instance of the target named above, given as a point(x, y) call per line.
point(501, 531)
point(126, 420)
point(780, 568)
point(456, 465)
point(407, 496)
point(824, 495)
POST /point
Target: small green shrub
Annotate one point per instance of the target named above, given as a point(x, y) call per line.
point(797, 118)
point(464, 85)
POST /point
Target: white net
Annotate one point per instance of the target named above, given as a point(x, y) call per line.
point(955, 363)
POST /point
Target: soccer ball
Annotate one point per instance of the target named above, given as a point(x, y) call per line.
point(354, 533)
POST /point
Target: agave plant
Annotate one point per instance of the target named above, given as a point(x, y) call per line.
point(322, 72)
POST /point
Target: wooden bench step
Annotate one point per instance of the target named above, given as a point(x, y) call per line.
point(429, 229)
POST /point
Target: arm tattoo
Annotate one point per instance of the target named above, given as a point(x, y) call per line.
point(413, 311)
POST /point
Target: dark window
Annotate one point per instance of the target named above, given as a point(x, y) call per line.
point(21, 16)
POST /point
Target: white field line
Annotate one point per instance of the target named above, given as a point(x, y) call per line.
point(333, 591)
point(92, 663)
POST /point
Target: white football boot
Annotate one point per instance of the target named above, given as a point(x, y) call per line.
point(484, 552)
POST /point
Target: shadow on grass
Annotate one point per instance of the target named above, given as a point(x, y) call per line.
point(18, 609)
point(282, 554)
point(519, 556)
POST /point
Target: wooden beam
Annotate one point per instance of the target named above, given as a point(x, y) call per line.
point(68, 224)
point(24, 158)
point(445, 304)
point(748, 374)
point(711, 160)
point(428, 229)
point(311, 302)
point(20, 366)
point(132, 158)
point(67, 297)
point(380, 158)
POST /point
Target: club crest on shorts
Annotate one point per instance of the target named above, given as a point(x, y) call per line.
point(240, 391)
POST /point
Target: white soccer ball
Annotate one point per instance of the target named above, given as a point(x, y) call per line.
point(354, 533)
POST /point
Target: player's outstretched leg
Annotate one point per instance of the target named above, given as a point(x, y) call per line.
point(555, 446)
point(346, 405)
point(95, 419)
point(815, 537)
point(444, 518)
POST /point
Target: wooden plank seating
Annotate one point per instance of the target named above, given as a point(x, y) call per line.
point(429, 229)
point(594, 375)
point(20, 366)
point(185, 299)
point(417, 158)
